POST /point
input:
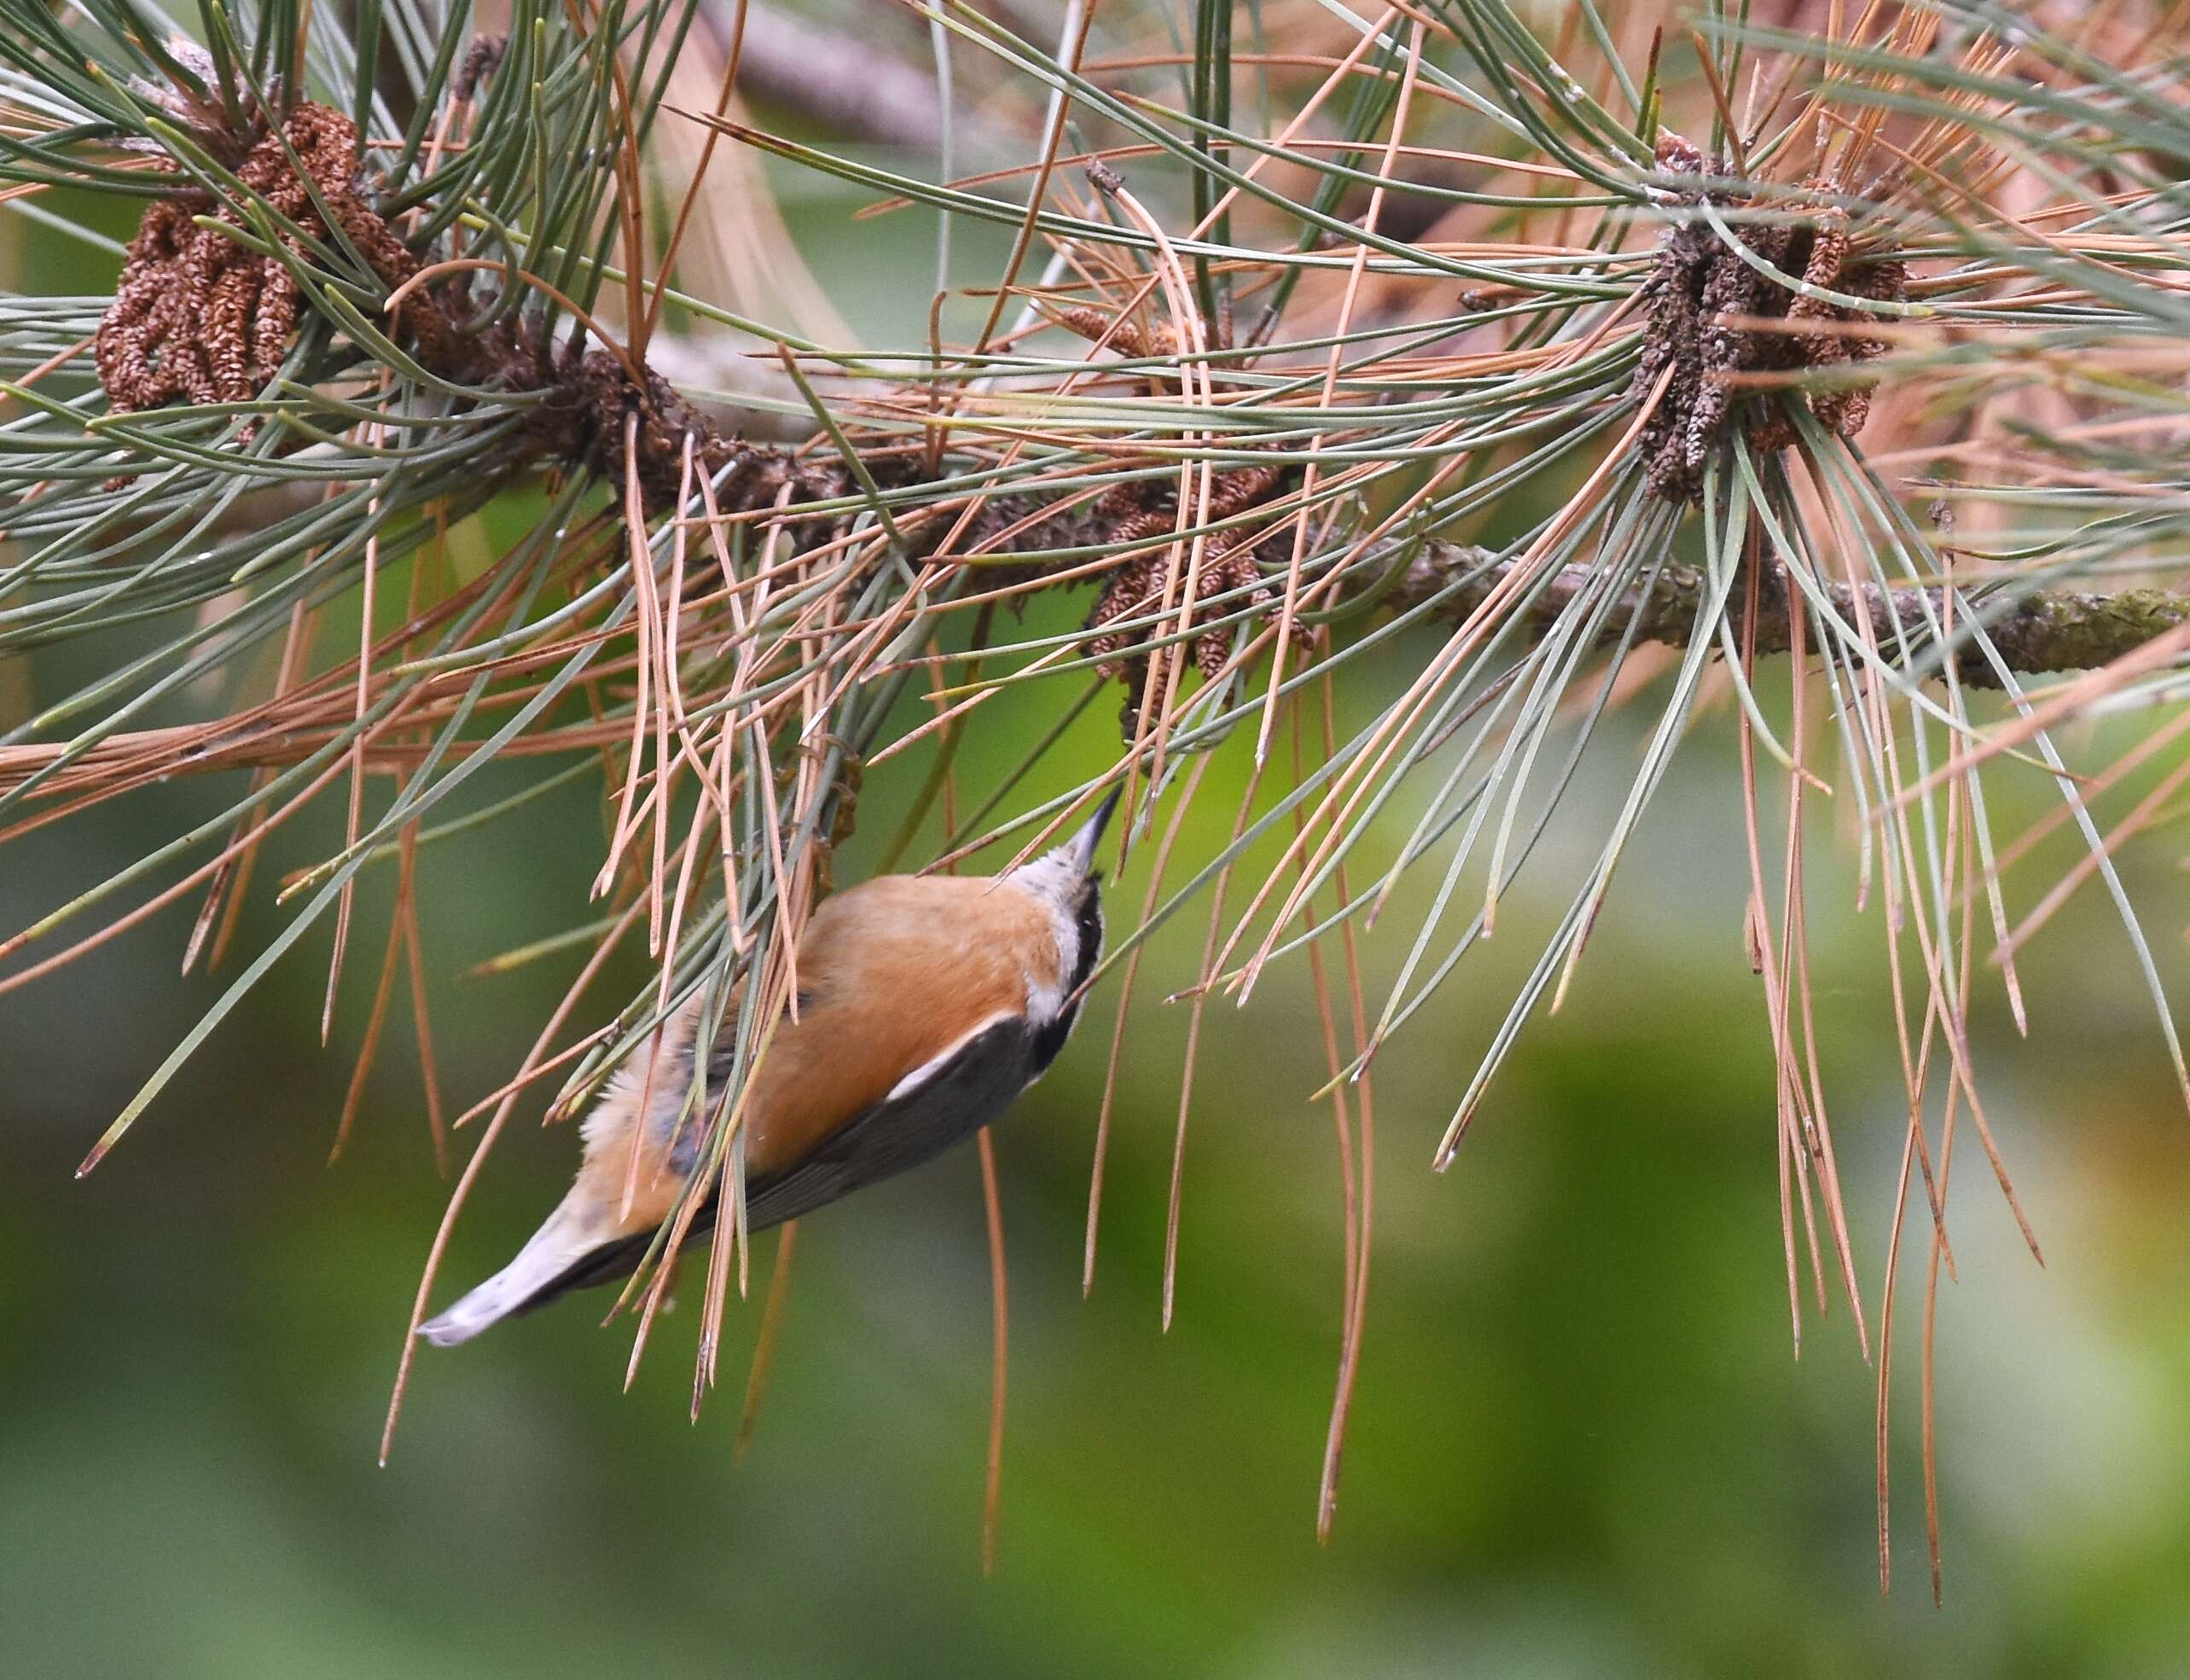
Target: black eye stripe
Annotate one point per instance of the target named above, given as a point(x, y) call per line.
point(1050, 1037)
point(1089, 921)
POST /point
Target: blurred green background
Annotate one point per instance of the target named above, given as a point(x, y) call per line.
point(1580, 1447)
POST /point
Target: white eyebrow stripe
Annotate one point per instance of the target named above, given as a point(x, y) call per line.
point(934, 1064)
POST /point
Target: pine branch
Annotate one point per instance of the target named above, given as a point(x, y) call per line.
point(855, 86)
point(2035, 634)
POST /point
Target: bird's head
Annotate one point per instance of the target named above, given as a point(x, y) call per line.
point(1065, 880)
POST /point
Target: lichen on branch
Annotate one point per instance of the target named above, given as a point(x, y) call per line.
point(2035, 633)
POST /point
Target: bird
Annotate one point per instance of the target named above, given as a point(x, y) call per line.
point(927, 1005)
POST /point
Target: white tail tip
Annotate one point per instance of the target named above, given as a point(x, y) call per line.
point(543, 1259)
point(486, 1306)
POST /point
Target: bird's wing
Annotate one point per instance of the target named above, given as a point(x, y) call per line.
point(938, 1104)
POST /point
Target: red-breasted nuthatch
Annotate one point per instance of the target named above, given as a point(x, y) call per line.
point(928, 1004)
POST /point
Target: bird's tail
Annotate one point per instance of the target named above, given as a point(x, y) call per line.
point(603, 1228)
point(562, 1254)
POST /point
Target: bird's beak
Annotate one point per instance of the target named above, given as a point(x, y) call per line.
point(1082, 846)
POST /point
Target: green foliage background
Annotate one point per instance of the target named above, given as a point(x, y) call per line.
point(1579, 1447)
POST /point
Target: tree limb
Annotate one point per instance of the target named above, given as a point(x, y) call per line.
point(853, 85)
point(2042, 632)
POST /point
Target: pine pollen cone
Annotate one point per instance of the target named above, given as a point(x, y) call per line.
point(199, 316)
point(1707, 302)
point(1157, 579)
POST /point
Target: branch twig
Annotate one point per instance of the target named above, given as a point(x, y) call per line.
point(2045, 631)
